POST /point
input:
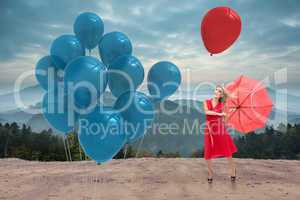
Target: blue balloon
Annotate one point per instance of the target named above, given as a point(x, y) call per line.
point(67, 48)
point(101, 134)
point(163, 79)
point(86, 79)
point(88, 28)
point(58, 113)
point(126, 73)
point(49, 67)
point(112, 45)
point(137, 111)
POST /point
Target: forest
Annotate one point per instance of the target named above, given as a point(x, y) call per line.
point(21, 142)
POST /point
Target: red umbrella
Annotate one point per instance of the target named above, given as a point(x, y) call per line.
point(251, 105)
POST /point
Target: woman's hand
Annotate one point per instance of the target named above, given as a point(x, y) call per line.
point(230, 95)
point(232, 110)
point(222, 114)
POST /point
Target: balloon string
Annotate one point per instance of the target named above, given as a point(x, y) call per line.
point(125, 151)
point(211, 54)
point(67, 157)
point(140, 145)
point(80, 153)
point(79, 147)
point(68, 146)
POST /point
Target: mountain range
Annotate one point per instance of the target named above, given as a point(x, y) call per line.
point(183, 112)
point(11, 112)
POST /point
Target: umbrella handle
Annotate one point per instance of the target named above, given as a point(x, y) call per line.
point(230, 113)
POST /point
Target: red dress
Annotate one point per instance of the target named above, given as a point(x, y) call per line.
point(217, 140)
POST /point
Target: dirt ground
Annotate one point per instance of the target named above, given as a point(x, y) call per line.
point(148, 178)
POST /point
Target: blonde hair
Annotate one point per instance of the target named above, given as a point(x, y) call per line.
point(224, 94)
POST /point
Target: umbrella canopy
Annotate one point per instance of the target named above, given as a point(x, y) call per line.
point(250, 107)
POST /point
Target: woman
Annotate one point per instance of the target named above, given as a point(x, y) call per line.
point(217, 141)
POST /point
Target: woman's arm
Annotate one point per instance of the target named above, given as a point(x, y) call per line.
point(210, 112)
point(229, 95)
point(226, 116)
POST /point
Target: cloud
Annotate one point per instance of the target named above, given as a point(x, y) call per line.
point(159, 30)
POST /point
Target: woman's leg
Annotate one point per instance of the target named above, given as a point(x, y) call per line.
point(209, 168)
point(232, 166)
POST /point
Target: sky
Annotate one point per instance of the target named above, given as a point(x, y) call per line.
point(159, 30)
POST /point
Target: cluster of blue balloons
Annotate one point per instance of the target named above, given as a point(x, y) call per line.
point(74, 83)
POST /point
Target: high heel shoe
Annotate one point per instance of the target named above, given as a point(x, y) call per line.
point(233, 178)
point(209, 179)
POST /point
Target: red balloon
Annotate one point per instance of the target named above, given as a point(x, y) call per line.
point(220, 28)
